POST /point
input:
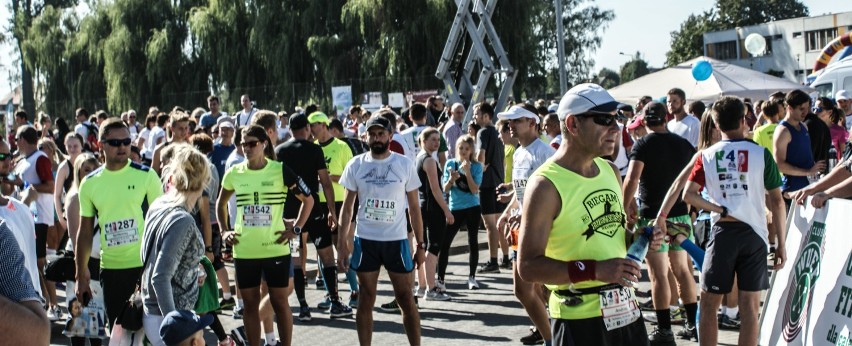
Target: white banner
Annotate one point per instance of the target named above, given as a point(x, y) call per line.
point(396, 100)
point(810, 300)
point(341, 98)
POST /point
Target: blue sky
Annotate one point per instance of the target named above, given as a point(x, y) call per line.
point(638, 26)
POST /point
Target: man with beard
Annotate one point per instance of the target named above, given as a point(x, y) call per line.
point(683, 124)
point(385, 183)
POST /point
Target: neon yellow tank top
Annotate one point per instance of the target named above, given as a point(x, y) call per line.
point(591, 226)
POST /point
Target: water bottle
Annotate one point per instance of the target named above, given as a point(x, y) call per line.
point(639, 248)
point(832, 159)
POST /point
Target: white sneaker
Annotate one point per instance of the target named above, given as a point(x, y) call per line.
point(437, 294)
point(54, 314)
point(472, 284)
point(420, 292)
point(440, 285)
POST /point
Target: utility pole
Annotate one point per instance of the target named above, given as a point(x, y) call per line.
point(560, 48)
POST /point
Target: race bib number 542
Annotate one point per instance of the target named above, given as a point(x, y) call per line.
point(121, 232)
point(381, 210)
point(257, 215)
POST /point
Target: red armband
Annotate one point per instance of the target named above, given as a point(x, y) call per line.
point(579, 271)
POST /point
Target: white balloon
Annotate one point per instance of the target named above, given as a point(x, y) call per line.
point(755, 44)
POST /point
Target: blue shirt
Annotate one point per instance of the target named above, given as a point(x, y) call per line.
point(220, 155)
point(799, 155)
point(459, 198)
point(15, 282)
point(208, 120)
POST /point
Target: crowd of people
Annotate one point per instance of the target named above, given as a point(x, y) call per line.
point(154, 212)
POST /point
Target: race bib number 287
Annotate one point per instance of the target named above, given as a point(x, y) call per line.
point(121, 232)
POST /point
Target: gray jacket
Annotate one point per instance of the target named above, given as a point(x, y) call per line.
point(170, 278)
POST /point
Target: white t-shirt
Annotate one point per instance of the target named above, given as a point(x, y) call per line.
point(556, 141)
point(849, 122)
point(409, 151)
point(382, 187)
point(688, 128)
point(153, 136)
point(525, 161)
point(243, 118)
point(82, 130)
point(283, 134)
point(410, 136)
point(26, 169)
point(20, 220)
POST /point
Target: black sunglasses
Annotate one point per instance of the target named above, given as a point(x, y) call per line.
point(118, 142)
point(4, 156)
point(602, 119)
point(250, 144)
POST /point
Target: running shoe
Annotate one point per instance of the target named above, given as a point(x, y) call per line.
point(226, 303)
point(238, 335)
point(647, 306)
point(472, 284)
point(506, 264)
point(437, 294)
point(320, 283)
point(353, 299)
point(726, 322)
point(661, 337)
point(689, 332)
point(305, 314)
point(419, 292)
point(325, 304)
point(54, 313)
point(489, 267)
point(238, 313)
point(227, 342)
point(440, 285)
point(337, 310)
point(679, 316)
point(533, 338)
point(390, 307)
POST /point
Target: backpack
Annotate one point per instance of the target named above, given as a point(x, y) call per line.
point(92, 143)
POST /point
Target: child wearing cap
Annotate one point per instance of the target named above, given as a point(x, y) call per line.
point(184, 328)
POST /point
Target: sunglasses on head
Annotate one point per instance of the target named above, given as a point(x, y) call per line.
point(118, 142)
point(817, 110)
point(250, 144)
point(4, 156)
point(602, 119)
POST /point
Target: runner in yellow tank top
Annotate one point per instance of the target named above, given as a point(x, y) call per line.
point(573, 236)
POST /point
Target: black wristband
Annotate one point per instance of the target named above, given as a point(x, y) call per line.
point(724, 212)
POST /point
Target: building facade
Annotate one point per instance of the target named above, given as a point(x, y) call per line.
point(792, 45)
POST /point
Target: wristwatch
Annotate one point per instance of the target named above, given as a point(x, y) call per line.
point(422, 245)
point(297, 230)
point(208, 249)
point(724, 212)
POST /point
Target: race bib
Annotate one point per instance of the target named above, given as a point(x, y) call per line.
point(121, 232)
point(381, 210)
point(619, 307)
point(255, 215)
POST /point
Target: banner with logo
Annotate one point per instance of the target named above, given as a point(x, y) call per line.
point(810, 300)
point(341, 98)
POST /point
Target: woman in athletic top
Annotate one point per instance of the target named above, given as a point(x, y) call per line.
point(260, 237)
point(436, 213)
point(461, 178)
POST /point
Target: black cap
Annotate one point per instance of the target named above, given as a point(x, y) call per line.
point(379, 121)
point(298, 121)
point(179, 325)
point(654, 110)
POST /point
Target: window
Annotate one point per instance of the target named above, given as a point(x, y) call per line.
point(768, 50)
point(817, 39)
point(723, 50)
point(824, 90)
point(797, 34)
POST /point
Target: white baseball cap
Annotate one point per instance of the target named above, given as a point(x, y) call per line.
point(585, 98)
point(517, 112)
point(842, 95)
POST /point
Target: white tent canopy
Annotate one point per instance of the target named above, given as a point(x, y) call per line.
point(726, 80)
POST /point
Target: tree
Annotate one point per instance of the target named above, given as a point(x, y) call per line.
point(688, 41)
point(633, 69)
point(607, 78)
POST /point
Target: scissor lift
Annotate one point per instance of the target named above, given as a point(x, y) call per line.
point(478, 58)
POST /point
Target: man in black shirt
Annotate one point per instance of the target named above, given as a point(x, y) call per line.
point(308, 162)
point(820, 138)
point(335, 127)
point(655, 162)
point(490, 152)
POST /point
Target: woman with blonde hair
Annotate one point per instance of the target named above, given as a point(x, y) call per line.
point(171, 244)
point(461, 179)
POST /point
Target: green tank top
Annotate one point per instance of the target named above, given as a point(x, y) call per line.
point(590, 226)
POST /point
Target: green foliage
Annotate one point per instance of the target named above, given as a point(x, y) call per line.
point(634, 69)
point(687, 42)
point(607, 78)
point(126, 54)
